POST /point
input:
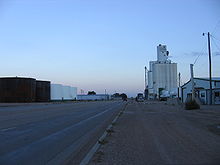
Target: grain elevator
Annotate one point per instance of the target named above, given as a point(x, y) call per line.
point(162, 75)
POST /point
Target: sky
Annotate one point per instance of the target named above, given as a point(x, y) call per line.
point(105, 44)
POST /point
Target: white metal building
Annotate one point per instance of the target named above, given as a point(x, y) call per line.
point(61, 92)
point(93, 97)
point(162, 74)
point(202, 90)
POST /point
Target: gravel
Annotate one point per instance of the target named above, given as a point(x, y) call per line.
point(158, 133)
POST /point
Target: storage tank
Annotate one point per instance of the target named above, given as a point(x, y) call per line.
point(17, 89)
point(61, 92)
point(73, 93)
point(67, 93)
point(56, 92)
point(42, 91)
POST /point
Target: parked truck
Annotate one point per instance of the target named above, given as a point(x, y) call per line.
point(140, 97)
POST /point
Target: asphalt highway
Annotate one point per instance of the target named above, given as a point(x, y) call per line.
point(52, 133)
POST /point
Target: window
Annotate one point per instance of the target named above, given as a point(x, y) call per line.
point(217, 94)
point(202, 94)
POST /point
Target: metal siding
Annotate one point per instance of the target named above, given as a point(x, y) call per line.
point(165, 76)
point(150, 80)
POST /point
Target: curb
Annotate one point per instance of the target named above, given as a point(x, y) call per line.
point(101, 140)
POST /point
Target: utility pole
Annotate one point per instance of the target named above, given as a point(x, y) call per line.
point(105, 95)
point(179, 86)
point(145, 83)
point(210, 68)
point(192, 81)
point(145, 77)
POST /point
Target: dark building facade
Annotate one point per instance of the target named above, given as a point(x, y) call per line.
point(42, 91)
point(22, 90)
point(17, 89)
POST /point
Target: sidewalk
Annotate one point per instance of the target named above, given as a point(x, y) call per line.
point(155, 133)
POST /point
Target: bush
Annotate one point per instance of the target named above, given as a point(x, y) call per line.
point(192, 104)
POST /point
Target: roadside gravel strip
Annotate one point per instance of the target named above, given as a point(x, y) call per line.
point(156, 133)
point(101, 140)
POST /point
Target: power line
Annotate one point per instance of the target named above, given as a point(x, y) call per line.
point(201, 52)
point(215, 44)
point(215, 37)
point(215, 27)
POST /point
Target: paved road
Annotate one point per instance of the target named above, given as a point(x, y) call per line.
point(51, 133)
point(155, 133)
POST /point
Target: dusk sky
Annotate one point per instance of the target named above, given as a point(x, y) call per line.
point(105, 44)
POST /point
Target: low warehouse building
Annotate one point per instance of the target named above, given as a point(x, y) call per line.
point(93, 97)
point(202, 90)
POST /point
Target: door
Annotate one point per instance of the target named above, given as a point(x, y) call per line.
point(217, 97)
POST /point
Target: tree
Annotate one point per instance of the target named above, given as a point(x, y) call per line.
point(91, 93)
point(124, 96)
point(116, 95)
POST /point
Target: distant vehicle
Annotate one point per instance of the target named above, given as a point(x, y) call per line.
point(140, 97)
point(163, 98)
point(164, 95)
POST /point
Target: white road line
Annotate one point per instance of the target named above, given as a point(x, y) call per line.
point(97, 145)
point(7, 129)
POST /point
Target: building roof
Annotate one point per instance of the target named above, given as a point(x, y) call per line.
point(93, 95)
point(13, 78)
point(205, 79)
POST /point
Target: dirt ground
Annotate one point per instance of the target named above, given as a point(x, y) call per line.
point(161, 133)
